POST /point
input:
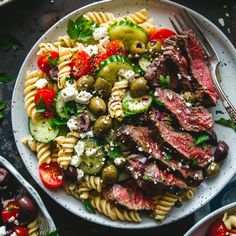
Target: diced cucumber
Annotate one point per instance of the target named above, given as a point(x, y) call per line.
point(59, 105)
point(127, 32)
point(42, 131)
point(144, 62)
point(136, 105)
point(92, 160)
point(109, 68)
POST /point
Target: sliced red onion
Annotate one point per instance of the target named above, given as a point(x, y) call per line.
point(143, 160)
point(145, 100)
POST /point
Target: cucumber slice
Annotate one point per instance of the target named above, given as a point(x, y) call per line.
point(92, 160)
point(42, 131)
point(59, 105)
point(144, 62)
point(136, 105)
point(109, 68)
point(127, 32)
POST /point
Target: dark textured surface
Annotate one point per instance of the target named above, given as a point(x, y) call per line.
point(27, 21)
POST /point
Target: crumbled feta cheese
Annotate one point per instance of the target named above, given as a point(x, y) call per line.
point(119, 161)
point(99, 33)
point(60, 177)
point(73, 124)
point(79, 148)
point(127, 74)
point(90, 151)
point(41, 83)
point(13, 234)
point(91, 50)
point(188, 104)
point(104, 42)
point(80, 174)
point(179, 76)
point(11, 219)
point(3, 230)
point(88, 134)
point(69, 93)
point(83, 97)
point(75, 161)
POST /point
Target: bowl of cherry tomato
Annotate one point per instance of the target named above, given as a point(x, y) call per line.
point(22, 212)
point(221, 222)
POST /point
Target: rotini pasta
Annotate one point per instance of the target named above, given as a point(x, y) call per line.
point(47, 47)
point(77, 190)
point(115, 101)
point(66, 41)
point(189, 194)
point(33, 228)
point(148, 26)
point(230, 221)
point(94, 182)
point(99, 17)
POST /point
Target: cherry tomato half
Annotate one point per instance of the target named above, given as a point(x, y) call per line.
point(115, 47)
point(80, 64)
point(11, 211)
point(21, 231)
point(44, 61)
point(97, 59)
point(51, 175)
point(218, 229)
point(160, 35)
point(47, 95)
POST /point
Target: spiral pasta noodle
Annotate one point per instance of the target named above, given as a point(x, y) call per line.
point(148, 26)
point(94, 182)
point(30, 91)
point(99, 17)
point(43, 153)
point(67, 149)
point(52, 85)
point(44, 48)
point(189, 194)
point(33, 228)
point(66, 41)
point(54, 154)
point(30, 142)
point(78, 47)
point(77, 190)
point(115, 101)
point(230, 221)
point(164, 206)
point(105, 207)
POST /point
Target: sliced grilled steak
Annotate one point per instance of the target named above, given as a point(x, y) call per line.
point(194, 119)
point(151, 179)
point(141, 139)
point(129, 196)
point(198, 64)
point(184, 144)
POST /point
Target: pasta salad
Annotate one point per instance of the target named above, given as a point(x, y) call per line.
point(117, 115)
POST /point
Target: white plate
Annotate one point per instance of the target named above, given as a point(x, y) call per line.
point(203, 226)
point(159, 10)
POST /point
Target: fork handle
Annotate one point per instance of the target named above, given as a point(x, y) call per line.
point(229, 107)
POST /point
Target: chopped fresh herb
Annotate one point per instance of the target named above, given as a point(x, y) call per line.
point(164, 81)
point(57, 121)
point(201, 139)
point(2, 107)
point(81, 29)
point(219, 112)
point(40, 106)
point(11, 208)
point(167, 158)
point(70, 108)
point(178, 204)
point(4, 78)
point(70, 80)
point(159, 103)
point(194, 161)
point(146, 178)
point(53, 62)
point(114, 152)
point(8, 42)
point(88, 206)
point(52, 233)
point(226, 122)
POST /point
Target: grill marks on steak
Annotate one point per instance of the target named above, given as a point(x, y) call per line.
point(184, 144)
point(197, 60)
point(140, 138)
point(152, 179)
point(193, 119)
point(129, 196)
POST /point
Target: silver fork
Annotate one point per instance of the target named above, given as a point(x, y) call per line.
point(186, 22)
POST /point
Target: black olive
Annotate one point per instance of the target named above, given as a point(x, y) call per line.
point(221, 151)
point(27, 208)
point(71, 173)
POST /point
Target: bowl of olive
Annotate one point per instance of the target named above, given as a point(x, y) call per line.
point(22, 210)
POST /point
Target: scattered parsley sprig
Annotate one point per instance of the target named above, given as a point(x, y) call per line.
point(226, 122)
point(2, 107)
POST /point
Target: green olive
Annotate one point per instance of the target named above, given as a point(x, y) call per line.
point(189, 97)
point(213, 169)
point(137, 47)
point(109, 174)
point(103, 87)
point(138, 87)
point(85, 82)
point(102, 125)
point(154, 47)
point(97, 106)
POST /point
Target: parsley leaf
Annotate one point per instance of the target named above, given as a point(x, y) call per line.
point(81, 29)
point(226, 122)
point(4, 78)
point(201, 139)
point(11, 208)
point(53, 62)
point(178, 204)
point(40, 106)
point(193, 161)
point(167, 158)
point(164, 81)
point(88, 206)
point(8, 42)
point(2, 107)
point(52, 233)
point(146, 178)
point(219, 112)
point(159, 102)
point(114, 152)
point(57, 121)
point(70, 108)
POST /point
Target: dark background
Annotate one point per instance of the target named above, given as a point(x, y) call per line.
point(27, 20)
